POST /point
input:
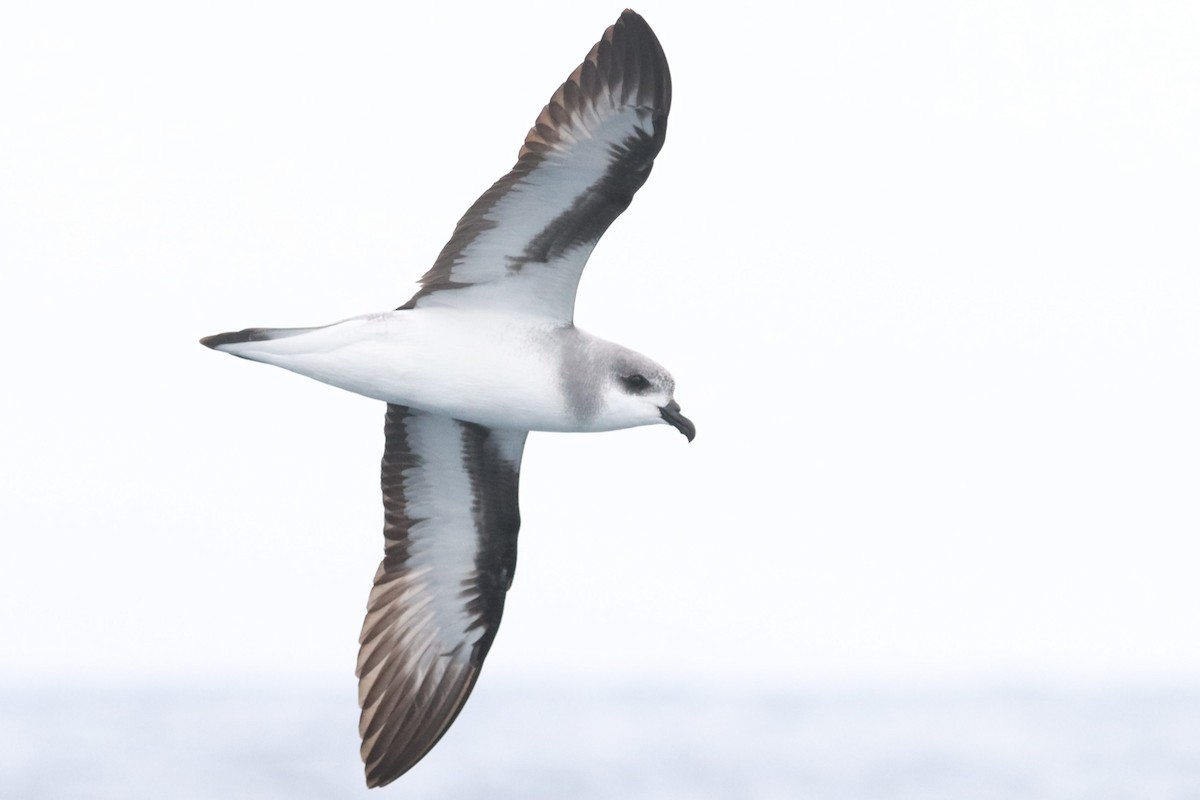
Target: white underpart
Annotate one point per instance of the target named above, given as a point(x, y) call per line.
point(442, 546)
point(485, 368)
point(492, 369)
point(539, 289)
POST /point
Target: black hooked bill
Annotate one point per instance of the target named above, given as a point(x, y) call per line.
point(670, 412)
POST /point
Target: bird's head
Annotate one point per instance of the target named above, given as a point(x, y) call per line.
point(639, 391)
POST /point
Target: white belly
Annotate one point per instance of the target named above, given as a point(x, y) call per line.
point(492, 370)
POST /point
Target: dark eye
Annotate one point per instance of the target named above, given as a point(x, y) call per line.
point(636, 383)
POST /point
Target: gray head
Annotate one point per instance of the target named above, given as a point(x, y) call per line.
point(622, 388)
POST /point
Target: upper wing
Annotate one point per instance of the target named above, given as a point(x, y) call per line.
point(450, 528)
point(522, 246)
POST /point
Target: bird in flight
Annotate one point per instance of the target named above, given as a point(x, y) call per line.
point(483, 353)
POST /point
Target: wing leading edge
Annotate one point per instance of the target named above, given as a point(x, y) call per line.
point(522, 246)
point(450, 549)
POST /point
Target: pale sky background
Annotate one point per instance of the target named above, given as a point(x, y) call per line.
point(927, 275)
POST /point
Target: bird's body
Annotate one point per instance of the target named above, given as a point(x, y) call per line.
point(461, 363)
point(486, 351)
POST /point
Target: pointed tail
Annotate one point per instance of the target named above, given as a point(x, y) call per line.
point(228, 342)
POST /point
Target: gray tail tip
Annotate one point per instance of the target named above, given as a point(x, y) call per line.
point(216, 341)
point(235, 337)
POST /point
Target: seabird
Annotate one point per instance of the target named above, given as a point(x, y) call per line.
point(483, 353)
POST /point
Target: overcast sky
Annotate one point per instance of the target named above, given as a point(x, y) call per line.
point(927, 275)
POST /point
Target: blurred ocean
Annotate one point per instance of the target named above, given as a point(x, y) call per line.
point(628, 744)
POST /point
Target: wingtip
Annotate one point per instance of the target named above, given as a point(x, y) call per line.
point(629, 15)
point(644, 40)
point(631, 19)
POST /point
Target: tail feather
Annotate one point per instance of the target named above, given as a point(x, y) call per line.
point(250, 335)
point(345, 354)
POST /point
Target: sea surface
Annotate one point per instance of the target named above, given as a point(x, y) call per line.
point(613, 743)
